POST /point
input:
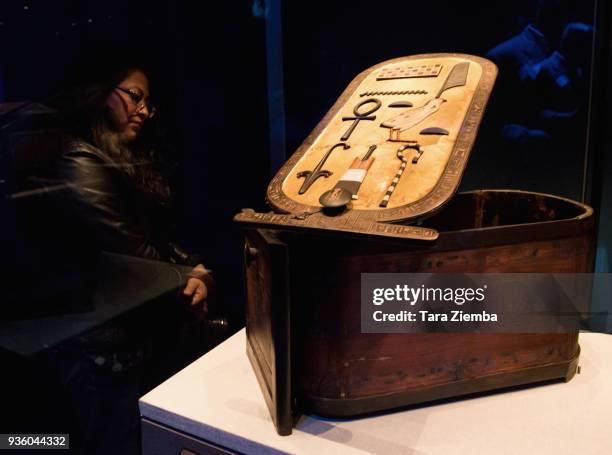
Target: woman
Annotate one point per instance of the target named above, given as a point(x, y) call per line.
point(113, 197)
point(111, 171)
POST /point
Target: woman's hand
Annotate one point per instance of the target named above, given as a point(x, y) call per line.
point(196, 287)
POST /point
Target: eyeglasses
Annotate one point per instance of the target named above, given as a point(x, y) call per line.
point(139, 101)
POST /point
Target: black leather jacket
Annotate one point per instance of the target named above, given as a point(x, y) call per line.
point(69, 203)
point(114, 213)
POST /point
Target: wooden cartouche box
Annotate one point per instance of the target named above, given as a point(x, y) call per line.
point(372, 189)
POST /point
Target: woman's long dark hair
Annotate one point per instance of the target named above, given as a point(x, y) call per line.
point(86, 116)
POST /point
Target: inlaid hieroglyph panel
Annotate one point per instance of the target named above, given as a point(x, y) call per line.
point(423, 186)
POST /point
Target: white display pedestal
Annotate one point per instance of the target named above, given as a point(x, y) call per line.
point(215, 406)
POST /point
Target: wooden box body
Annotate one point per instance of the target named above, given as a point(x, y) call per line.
point(303, 308)
point(303, 266)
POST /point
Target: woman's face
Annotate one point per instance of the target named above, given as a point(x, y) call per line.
point(128, 103)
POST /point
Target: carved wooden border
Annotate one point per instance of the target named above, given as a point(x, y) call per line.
point(448, 183)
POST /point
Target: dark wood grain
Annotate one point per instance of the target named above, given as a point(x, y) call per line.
point(345, 372)
point(268, 323)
